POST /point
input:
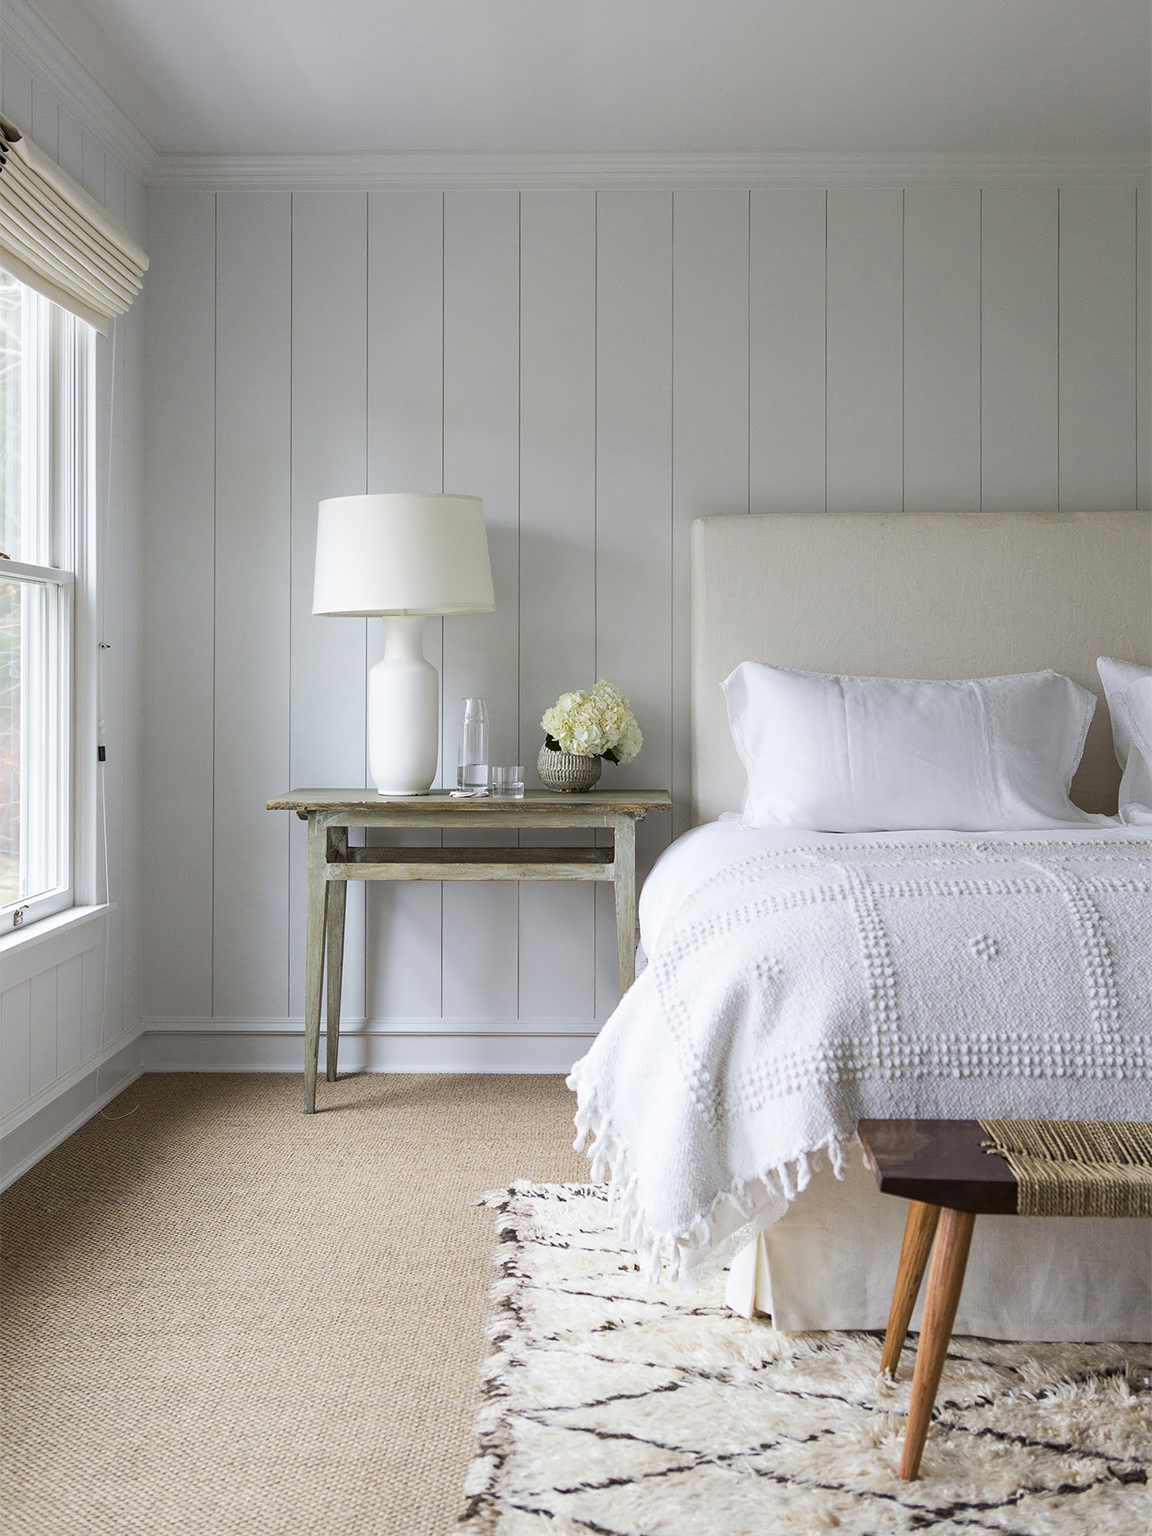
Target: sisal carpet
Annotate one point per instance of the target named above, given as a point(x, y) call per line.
point(623, 1409)
point(222, 1317)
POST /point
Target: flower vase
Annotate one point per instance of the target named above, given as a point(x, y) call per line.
point(567, 773)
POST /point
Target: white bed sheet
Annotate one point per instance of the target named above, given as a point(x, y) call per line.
point(830, 1262)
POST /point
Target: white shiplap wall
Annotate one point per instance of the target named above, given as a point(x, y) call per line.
point(70, 1001)
point(601, 368)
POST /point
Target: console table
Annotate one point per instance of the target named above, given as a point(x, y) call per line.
point(332, 862)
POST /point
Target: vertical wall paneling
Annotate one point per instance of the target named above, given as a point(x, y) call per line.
point(94, 166)
point(135, 208)
point(481, 651)
point(1144, 346)
point(1019, 344)
point(634, 507)
point(329, 458)
point(42, 1031)
point(92, 1010)
point(15, 1046)
point(71, 145)
point(45, 125)
point(178, 606)
point(17, 86)
point(557, 558)
point(786, 324)
point(405, 453)
point(942, 350)
point(115, 189)
point(709, 409)
point(601, 369)
point(1097, 347)
point(69, 1013)
point(865, 350)
point(252, 607)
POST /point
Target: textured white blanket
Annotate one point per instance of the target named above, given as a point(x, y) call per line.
point(798, 991)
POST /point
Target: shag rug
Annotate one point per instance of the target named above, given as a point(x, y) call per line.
point(624, 1409)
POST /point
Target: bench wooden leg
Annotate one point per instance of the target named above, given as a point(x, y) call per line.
point(919, 1230)
point(944, 1285)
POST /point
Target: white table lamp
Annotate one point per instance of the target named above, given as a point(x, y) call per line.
point(403, 557)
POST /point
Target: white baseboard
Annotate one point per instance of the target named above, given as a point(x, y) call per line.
point(267, 1049)
point(35, 1137)
point(357, 1024)
point(95, 1066)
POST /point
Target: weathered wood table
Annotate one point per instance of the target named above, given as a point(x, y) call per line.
point(332, 862)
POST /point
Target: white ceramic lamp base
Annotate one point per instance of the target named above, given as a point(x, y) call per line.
point(403, 711)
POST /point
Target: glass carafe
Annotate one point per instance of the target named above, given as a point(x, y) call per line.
point(472, 758)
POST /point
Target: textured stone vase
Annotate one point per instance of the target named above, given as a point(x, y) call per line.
point(567, 772)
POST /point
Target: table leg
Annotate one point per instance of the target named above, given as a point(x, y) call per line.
point(944, 1284)
point(919, 1230)
point(624, 881)
point(337, 902)
point(315, 924)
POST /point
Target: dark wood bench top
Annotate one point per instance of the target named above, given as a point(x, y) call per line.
point(939, 1162)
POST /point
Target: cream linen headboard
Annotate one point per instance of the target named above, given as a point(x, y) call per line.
point(948, 594)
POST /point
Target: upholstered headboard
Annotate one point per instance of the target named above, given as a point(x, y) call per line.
point(948, 594)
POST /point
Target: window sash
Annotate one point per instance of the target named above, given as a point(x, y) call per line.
point(37, 819)
point(52, 585)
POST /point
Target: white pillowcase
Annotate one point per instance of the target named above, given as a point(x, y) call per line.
point(881, 754)
point(1128, 689)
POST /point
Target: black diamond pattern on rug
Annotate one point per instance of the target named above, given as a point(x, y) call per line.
point(621, 1409)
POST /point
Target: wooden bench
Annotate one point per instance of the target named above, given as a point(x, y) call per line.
point(940, 1167)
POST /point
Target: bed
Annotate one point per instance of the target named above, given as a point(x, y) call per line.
point(900, 595)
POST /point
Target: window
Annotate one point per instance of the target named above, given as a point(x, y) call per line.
point(46, 396)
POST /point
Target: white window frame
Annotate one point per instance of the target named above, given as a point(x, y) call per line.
point(58, 414)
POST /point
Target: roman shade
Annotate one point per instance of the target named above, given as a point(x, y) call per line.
point(58, 240)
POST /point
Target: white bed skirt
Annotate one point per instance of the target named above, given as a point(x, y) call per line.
point(831, 1263)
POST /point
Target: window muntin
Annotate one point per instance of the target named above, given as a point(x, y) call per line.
point(45, 411)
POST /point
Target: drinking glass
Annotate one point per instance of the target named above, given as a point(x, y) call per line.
point(508, 783)
point(472, 759)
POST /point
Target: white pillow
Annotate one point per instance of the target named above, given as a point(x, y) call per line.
point(1118, 678)
point(878, 754)
point(1134, 708)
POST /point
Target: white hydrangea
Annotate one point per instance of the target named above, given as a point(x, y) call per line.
point(595, 723)
point(631, 740)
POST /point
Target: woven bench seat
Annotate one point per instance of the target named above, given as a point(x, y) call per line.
point(951, 1171)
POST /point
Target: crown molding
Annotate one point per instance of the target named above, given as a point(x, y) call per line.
point(53, 65)
point(641, 172)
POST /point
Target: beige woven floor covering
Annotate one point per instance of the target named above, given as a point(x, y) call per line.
point(221, 1316)
point(1076, 1167)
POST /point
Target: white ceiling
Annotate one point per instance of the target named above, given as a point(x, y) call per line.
point(595, 76)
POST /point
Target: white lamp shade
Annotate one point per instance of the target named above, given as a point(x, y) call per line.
point(402, 553)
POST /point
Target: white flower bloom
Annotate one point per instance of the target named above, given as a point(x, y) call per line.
point(593, 723)
point(631, 740)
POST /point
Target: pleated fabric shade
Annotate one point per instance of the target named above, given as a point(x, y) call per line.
point(58, 240)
